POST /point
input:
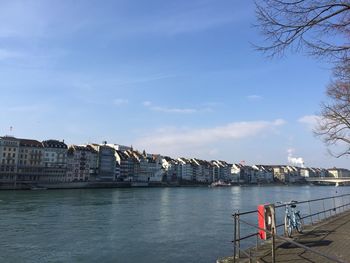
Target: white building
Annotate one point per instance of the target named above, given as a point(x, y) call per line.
point(54, 161)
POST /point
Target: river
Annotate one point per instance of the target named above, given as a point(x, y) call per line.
point(184, 224)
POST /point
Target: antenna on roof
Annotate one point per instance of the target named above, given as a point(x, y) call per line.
point(11, 130)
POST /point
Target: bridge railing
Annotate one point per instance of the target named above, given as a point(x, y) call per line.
point(246, 229)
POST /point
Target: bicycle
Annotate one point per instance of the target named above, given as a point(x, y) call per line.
point(292, 219)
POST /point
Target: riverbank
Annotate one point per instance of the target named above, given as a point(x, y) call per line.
point(96, 184)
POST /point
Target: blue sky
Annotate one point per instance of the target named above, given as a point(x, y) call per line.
point(173, 77)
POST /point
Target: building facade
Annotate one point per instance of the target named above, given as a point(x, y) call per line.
point(9, 151)
point(55, 161)
point(30, 161)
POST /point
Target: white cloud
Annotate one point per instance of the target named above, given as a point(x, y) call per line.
point(185, 138)
point(310, 120)
point(120, 102)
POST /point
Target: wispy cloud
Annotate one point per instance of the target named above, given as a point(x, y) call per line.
point(120, 102)
point(254, 97)
point(191, 17)
point(9, 54)
point(28, 108)
point(152, 107)
point(310, 121)
point(184, 138)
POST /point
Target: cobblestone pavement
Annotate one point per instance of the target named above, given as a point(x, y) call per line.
point(330, 237)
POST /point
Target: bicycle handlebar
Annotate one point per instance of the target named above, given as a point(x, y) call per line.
point(287, 203)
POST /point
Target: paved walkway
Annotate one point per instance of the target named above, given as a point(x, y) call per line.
point(331, 237)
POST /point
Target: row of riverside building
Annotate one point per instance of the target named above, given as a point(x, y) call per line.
point(53, 161)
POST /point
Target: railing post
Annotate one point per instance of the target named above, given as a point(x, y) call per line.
point(273, 255)
point(310, 213)
point(324, 210)
point(334, 207)
point(239, 235)
point(234, 237)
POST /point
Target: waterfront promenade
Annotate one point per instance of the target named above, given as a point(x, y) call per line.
point(330, 237)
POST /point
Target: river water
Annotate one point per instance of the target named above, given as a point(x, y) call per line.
point(185, 224)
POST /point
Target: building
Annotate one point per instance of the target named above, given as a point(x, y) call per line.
point(170, 169)
point(203, 171)
point(81, 163)
point(237, 173)
point(55, 161)
point(123, 163)
point(106, 162)
point(185, 169)
point(30, 161)
point(9, 151)
point(262, 174)
point(339, 172)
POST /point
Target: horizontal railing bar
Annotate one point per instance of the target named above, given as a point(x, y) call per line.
point(245, 237)
point(313, 200)
point(298, 202)
point(245, 213)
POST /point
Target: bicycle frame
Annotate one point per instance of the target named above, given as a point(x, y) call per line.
point(292, 218)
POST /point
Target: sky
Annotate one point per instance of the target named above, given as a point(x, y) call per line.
point(179, 78)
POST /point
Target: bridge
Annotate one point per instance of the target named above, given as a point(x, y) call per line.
point(336, 180)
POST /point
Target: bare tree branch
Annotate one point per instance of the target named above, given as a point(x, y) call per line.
point(305, 24)
point(322, 29)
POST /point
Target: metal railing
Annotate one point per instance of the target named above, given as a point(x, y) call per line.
point(326, 207)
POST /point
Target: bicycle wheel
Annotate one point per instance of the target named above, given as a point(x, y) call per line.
point(299, 223)
point(288, 226)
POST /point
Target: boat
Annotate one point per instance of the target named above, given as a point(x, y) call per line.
point(219, 183)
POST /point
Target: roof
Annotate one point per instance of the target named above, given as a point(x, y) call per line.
point(54, 144)
point(30, 143)
point(82, 148)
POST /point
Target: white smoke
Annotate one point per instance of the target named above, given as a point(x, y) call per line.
point(297, 161)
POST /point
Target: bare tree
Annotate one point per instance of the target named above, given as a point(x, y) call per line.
point(320, 28)
point(334, 124)
point(315, 26)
